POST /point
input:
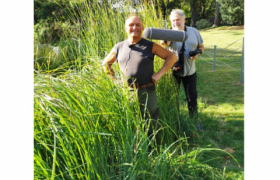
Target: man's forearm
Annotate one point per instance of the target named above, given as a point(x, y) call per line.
point(201, 47)
point(169, 62)
point(107, 63)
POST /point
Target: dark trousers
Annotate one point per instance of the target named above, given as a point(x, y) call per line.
point(148, 106)
point(189, 83)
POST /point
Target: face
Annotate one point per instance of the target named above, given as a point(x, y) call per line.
point(134, 27)
point(177, 22)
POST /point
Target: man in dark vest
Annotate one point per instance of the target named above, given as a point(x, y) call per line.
point(135, 57)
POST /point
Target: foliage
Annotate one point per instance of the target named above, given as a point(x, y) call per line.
point(44, 9)
point(204, 8)
point(48, 31)
point(58, 59)
point(202, 24)
point(51, 17)
point(48, 57)
point(232, 12)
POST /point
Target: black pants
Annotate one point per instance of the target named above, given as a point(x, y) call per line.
point(189, 83)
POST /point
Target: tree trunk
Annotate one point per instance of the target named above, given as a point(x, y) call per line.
point(166, 7)
point(217, 15)
point(193, 13)
point(202, 6)
point(163, 8)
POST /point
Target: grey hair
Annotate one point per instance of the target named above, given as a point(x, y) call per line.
point(178, 12)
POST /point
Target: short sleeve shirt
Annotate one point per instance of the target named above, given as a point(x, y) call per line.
point(194, 39)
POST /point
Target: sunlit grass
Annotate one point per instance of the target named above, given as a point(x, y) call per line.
point(222, 37)
point(221, 99)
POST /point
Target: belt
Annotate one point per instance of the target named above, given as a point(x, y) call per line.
point(142, 86)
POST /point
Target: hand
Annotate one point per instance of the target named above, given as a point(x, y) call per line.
point(162, 42)
point(114, 78)
point(194, 57)
point(155, 78)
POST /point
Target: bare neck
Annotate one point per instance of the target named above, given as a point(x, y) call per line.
point(134, 40)
point(183, 28)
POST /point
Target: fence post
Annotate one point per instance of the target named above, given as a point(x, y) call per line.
point(214, 63)
point(242, 65)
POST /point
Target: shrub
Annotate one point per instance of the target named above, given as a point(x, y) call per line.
point(202, 24)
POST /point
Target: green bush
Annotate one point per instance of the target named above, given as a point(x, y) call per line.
point(202, 24)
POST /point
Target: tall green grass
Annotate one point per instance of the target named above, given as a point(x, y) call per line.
point(87, 126)
point(89, 130)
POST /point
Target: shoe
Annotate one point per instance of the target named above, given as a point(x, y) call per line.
point(199, 128)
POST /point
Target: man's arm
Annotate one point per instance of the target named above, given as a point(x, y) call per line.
point(201, 47)
point(107, 63)
point(169, 58)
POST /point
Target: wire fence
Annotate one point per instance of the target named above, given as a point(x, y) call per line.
point(231, 56)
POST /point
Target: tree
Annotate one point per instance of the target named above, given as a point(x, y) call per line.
point(194, 9)
point(193, 13)
point(205, 8)
point(232, 11)
point(217, 14)
point(163, 5)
